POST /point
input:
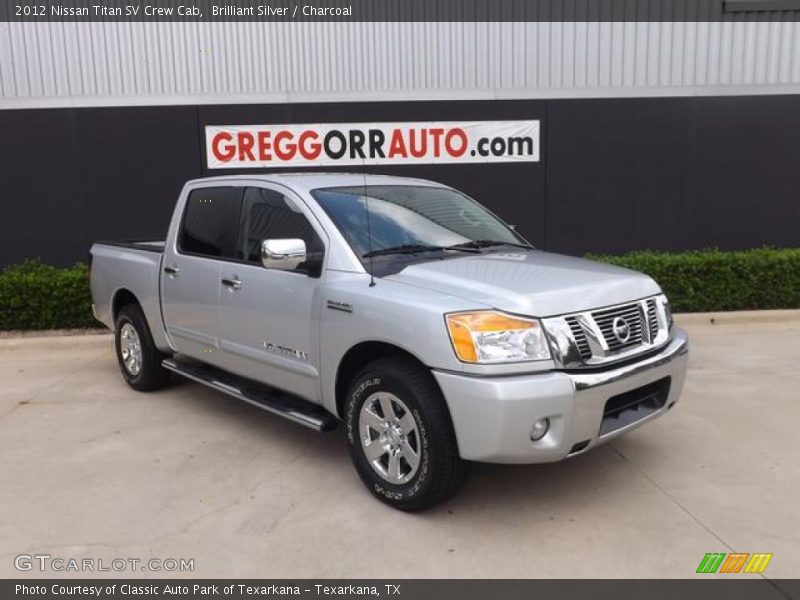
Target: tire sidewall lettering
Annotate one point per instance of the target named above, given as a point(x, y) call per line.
point(352, 436)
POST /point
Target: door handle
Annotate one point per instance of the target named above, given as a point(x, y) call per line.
point(172, 271)
point(232, 284)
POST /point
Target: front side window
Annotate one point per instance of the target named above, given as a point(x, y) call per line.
point(407, 216)
point(208, 226)
point(267, 214)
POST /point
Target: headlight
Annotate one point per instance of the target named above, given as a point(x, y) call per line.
point(492, 337)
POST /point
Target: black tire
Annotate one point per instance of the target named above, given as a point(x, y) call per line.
point(150, 375)
point(440, 471)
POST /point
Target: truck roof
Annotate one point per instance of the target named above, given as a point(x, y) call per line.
point(311, 181)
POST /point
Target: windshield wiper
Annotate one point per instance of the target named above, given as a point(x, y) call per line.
point(414, 249)
point(487, 244)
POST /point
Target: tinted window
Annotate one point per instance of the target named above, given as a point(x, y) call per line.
point(267, 214)
point(209, 222)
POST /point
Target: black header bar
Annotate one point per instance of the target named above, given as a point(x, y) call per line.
point(398, 10)
point(733, 588)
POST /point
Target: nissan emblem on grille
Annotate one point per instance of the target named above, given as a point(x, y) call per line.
point(621, 329)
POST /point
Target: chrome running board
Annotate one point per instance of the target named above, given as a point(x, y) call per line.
point(262, 396)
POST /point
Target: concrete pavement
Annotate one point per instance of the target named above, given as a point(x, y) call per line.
point(90, 468)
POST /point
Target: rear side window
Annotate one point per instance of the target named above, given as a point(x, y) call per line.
point(267, 214)
point(209, 222)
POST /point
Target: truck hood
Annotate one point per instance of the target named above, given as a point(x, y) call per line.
point(533, 283)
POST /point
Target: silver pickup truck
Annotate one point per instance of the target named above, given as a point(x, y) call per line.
point(403, 308)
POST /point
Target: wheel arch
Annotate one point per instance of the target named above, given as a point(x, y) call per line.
point(123, 297)
point(358, 356)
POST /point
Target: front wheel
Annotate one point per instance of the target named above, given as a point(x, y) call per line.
point(401, 437)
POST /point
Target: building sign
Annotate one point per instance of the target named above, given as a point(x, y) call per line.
point(342, 144)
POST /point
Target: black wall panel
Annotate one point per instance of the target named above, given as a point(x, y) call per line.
point(42, 208)
point(615, 174)
point(135, 161)
point(745, 183)
point(79, 175)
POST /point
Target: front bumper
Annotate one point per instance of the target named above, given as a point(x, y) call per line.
point(492, 416)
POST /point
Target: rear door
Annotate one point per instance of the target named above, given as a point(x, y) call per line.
point(269, 318)
point(190, 277)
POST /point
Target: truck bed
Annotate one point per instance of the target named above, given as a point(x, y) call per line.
point(128, 267)
point(148, 245)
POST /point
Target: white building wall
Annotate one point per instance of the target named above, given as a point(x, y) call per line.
point(90, 64)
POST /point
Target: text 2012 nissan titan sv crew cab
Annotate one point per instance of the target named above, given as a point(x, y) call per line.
point(402, 307)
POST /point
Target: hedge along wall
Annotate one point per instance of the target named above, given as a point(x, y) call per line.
point(38, 296)
point(711, 280)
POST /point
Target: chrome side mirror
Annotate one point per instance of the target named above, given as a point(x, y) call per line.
point(283, 255)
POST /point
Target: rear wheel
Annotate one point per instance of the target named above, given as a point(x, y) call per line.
point(401, 437)
point(139, 359)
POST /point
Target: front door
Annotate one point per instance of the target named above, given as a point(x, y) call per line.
point(269, 318)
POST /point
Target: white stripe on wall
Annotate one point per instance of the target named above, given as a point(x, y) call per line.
point(90, 64)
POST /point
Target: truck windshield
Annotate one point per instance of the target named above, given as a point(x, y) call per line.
point(409, 219)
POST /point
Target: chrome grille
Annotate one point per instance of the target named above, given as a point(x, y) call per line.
point(652, 319)
point(580, 338)
point(630, 314)
point(587, 339)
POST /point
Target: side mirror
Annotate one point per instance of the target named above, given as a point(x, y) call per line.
point(283, 255)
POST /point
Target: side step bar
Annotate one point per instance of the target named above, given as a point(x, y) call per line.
point(267, 398)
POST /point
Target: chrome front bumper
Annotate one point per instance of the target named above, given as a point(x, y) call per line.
point(493, 416)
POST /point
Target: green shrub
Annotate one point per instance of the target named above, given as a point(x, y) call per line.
point(712, 280)
point(38, 296)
